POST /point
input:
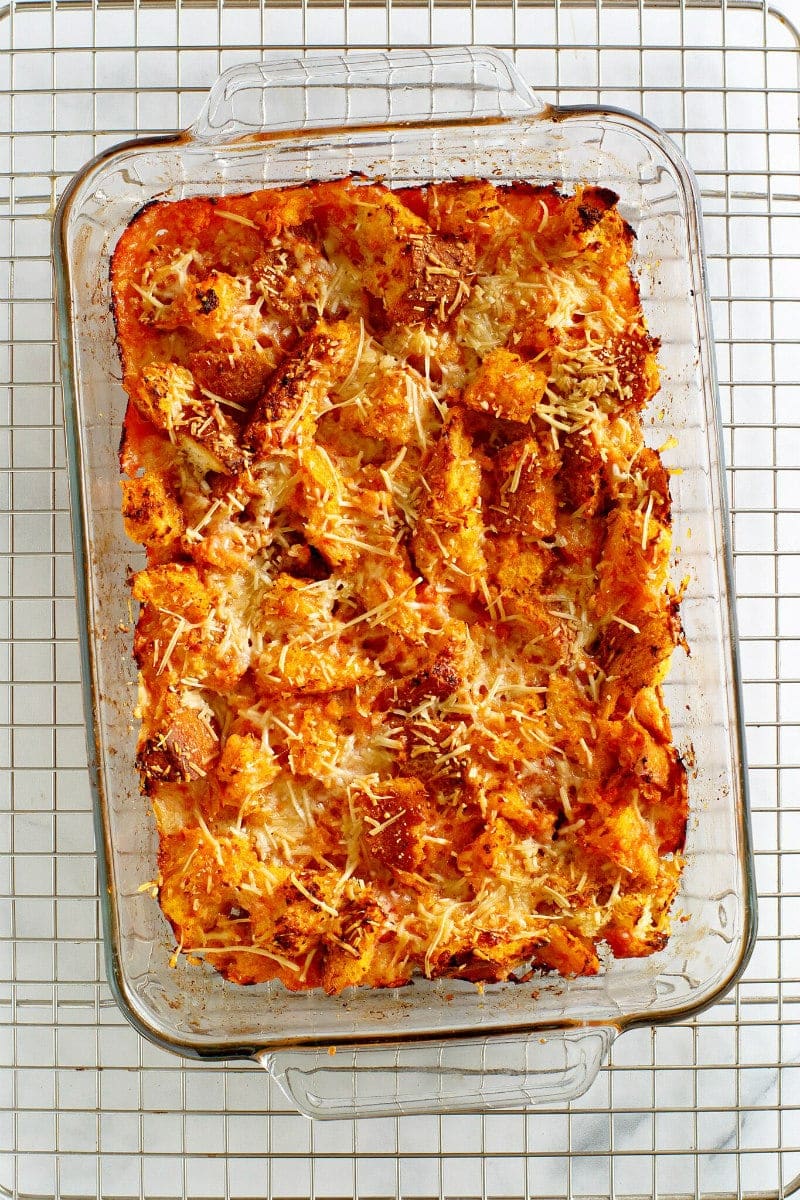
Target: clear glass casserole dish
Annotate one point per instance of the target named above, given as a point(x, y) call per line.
point(409, 117)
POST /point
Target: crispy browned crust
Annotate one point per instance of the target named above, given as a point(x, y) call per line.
point(406, 611)
point(241, 377)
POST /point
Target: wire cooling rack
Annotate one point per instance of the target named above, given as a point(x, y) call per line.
point(706, 1109)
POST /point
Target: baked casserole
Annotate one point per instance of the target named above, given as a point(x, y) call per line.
point(407, 609)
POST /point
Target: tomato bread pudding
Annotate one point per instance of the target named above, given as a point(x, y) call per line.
point(406, 611)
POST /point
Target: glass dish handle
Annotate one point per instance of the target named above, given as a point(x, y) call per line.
point(367, 88)
point(545, 1068)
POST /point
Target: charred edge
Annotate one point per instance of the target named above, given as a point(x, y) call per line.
point(208, 300)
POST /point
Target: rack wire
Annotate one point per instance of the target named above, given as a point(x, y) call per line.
point(706, 1109)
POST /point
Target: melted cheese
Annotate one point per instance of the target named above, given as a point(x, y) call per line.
point(410, 648)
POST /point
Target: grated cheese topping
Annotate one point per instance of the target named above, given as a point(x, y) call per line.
point(406, 611)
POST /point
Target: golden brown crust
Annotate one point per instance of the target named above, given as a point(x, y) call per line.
point(507, 386)
point(238, 377)
point(406, 610)
point(184, 750)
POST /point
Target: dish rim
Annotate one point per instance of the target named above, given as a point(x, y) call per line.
point(79, 507)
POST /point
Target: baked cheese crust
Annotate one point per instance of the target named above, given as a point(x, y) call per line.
point(406, 611)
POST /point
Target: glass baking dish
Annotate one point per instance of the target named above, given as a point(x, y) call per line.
point(409, 117)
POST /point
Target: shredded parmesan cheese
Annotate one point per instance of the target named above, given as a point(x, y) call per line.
point(387, 461)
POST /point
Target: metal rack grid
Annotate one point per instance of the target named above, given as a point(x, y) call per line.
point(709, 1108)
